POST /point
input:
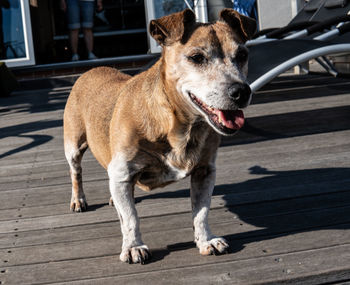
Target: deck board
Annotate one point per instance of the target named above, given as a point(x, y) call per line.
point(282, 198)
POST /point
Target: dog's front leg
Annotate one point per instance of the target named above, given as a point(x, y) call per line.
point(121, 187)
point(202, 186)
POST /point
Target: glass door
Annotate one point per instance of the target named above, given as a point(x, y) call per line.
point(16, 44)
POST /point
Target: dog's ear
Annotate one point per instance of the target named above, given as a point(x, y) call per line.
point(169, 29)
point(243, 25)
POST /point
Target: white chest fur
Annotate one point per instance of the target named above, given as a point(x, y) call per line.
point(160, 175)
point(173, 173)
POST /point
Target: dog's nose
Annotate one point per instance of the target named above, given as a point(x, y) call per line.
point(239, 91)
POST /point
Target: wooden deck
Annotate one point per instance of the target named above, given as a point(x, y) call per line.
point(282, 198)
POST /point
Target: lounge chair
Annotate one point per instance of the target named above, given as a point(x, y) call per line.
point(315, 11)
point(302, 20)
point(269, 59)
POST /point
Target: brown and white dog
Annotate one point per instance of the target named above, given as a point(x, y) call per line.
point(164, 124)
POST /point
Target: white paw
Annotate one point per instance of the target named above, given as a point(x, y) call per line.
point(78, 205)
point(216, 245)
point(136, 254)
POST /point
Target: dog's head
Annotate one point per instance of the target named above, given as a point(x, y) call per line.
point(207, 64)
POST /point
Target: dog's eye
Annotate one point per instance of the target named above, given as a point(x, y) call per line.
point(241, 56)
point(197, 58)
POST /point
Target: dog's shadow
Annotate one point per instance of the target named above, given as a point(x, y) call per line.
point(278, 203)
point(160, 253)
point(95, 207)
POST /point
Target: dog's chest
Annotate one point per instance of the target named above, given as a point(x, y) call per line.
point(167, 164)
point(161, 174)
point(173, 173)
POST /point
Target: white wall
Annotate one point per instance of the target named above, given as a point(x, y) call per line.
point(277, 13)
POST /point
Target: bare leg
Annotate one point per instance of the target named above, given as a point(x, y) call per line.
point(74, 38)
point(89, 39)
point(202, 185)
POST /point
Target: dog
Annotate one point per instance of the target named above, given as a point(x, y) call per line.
point(163, 124)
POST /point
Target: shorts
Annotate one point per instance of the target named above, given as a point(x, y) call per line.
point(80, 13)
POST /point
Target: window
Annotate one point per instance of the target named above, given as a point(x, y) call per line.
point(16, 45)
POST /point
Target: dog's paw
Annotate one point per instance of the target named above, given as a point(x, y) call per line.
point(78, 205)
point(216, 245)
point(111, 203)
point(137, 254)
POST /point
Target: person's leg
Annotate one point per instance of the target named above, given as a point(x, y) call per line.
point(73, 13)
point(89, 39)
point(87, 24)
point(74, 39)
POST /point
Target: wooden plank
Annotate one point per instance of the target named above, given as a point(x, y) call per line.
point(231, 194)
point(225, 173)
point(86, 226)
point(59, 168)
point(274, 265)
point(175, 229)
point(49, 169)
point(237, 151)
point(243, 155)
point(295, 268)
point(308, 104)
point(163, 205)
point(248, 192)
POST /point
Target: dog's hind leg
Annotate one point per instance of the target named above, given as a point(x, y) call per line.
point(74, 154)
point(75, 144)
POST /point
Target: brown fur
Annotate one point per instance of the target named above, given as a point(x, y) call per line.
point(152, 125)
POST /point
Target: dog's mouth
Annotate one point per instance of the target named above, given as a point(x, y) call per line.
point(226, 122)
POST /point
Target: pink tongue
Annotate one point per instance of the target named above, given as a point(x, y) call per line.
point(231, 119)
